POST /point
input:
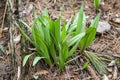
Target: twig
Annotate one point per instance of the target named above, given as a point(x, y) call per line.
point(92, 73)
point(3, 18)
point(12, 45)
point(115, 73)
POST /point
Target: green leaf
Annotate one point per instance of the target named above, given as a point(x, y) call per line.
point(35, 14)
point(64, 33)
point(96, 3)
point(81, 21)
point(96, 21)
point(68, 24)
point(36, 60)
point(57, 30)
point(85, 65)
point(47, 37)
point(26, 25)
point(64, 54)
point(72, 59)
point(73, 48)
point(75, 39)
point(99, 65)
point(37, 29)
point(90, 34)
point(45, 13)
point(40, 44)
point(53, 52)
point(88, 38)
point(23, 33)
point(26, 58)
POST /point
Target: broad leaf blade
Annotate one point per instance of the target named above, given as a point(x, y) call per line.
point(57, 30)
point(75, 39)
point(36, 60)
point(81, 21)
point(90, 34)
point(95, 22)
point(64, 33)
point(88, 38)
point(40, 44)
point(26, 59)
point(53, 52)
point(68, 24)
point(73, 49)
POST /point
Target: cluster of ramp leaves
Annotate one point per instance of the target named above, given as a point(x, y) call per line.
point(55, 43)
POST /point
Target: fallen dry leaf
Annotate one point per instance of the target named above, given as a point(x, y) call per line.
point(17, 39)
point(110, 69)
point(116, 20)
point(5, 30)
point(112, 63)
point(28, 9)
point(105, 77)
point(41, 72)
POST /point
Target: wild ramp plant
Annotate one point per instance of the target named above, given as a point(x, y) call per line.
point(56, 43)
point(88, 39)
point(51, 42)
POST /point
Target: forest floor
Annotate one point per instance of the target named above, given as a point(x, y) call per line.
point(107, 43)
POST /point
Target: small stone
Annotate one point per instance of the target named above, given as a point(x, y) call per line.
point(103, 26)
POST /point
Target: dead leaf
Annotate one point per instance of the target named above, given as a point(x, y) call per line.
point(110, 69)
point(105, 77)
point(42, 72)
point(116, 20)
point(5, 30)
point(112, 63)
point(28, 9)
point(17, 39)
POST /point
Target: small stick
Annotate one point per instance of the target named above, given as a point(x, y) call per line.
point(115, 73)
point(92, 73)
point(3, 18)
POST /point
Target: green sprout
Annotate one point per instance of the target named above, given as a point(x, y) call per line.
point(96, 3)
